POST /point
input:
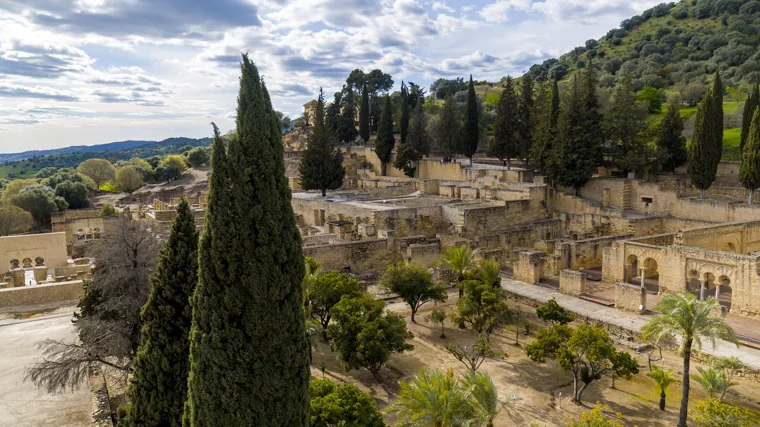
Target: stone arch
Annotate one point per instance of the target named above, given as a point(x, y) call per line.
point(693, 282)
point(39, 261)
point(729, 243)
point(15, 263)
point(96, 233)
point(27, 262)
point(723, 291)
point(705, 267)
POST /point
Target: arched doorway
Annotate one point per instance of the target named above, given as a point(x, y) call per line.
point(693, 283)
point(723, 293)
point(631, 269)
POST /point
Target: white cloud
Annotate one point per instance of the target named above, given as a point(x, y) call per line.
point(441, 5)
point(497, 12)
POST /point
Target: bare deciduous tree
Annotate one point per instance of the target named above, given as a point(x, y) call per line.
point(108, 319)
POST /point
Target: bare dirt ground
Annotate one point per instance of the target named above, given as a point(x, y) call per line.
point(530, 391)
point(22, 404)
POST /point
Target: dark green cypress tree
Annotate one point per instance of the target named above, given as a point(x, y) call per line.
point(592, 117)
point(249, 352)
point(505, 143)
point(385, 141)
point(527, 119)
point(749, 172)
point(574, 159)
point(332, 115)
point(703, 150)
point(718, 117)
point(403, 121)
point(418, 134)
point(546, 130)
point(158, 388)
point(624, 125)
point(348, 132)
point(321, 165)
point(364, 115)
point(753, 101)
point(670, 142)
point(471, 127)
point(449, 130)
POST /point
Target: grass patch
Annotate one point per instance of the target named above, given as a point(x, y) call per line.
point(110, 187)
point(731, 141)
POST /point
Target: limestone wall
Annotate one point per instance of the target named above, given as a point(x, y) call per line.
point(486, 219)
point(630, 298)
point(572, 282)
point(529, 266)
point(51, 247)
point(40, 294)
point(588, 253)
point(423, 254)
point(614, 196)
point(363, 255)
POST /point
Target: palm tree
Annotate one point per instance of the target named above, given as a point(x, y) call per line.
point(488, 272)
point(714, 382)
point(684, 315)
point(433, 399)
point(662, 379)
point(484, 398)
point(307, 283)
point(460, 260)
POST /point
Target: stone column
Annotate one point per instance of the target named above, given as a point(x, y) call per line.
point(40, 274)
point(717, 290)
point(643, 270)
point(19, 277)
point(702, 286)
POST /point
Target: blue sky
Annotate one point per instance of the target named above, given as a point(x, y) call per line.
point(82, 72)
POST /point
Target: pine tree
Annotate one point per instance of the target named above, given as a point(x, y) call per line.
point(332, 115)
point(470, 128)
point(527, 119)
point(364, 115)
point(546, 129)
point(574, 159)
point(671, 144)
point(749, 172)
point(624, 125)
point(348, 132)
point(385, 141)
point(158, 388)
point(249, 352)
point(403, 121)
point(449, 130)
point(718, 117)
point(703, 150)
point(753, 101)
point(505, 143)
point(321, 165)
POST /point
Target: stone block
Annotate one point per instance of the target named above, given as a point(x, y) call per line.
point(631, 298)
point(529, 267)
point(572, 282)
point(40, 274)
point(19, 277)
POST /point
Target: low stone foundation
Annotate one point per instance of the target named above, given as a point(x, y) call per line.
point(572, 282)
point(630, 298)
point(41, 294)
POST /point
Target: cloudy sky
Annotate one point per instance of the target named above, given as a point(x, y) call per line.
point(83, 72)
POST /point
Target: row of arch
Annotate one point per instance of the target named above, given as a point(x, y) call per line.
point(88, 234)
point(27, 263)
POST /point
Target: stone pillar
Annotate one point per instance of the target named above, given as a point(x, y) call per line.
point(717, 290)
point(19, 277)
point(702, 286)
point(643, 271)
point(40, 274)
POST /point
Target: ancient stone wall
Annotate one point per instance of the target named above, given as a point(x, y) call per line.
point(588, 253)
point(572, 282)
point(423, 254)
point(487, 219)
point(364, 255)
point(529, 266)
point(41, 294)
point(630, 298)
point(49, 247)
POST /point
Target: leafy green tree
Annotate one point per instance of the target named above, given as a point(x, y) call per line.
point(505, 143)
point(433, 398)
point(670, 142)
point(749, 171)
point(321, 165)
point(484, 398)
point(403, 121)
point(418, 134)
point(342, 405)
point(624, 125)
point(470, 127)
point(313, 270)
point(75, 194)
point(548, 117)
point(483, 307)
point(176, 161)
point(488, 272)
point(729, 366)
point(449, 130)
point(460, 259)
point(249, 351)
point(586, 351)
point(14, 220)
point(385, 141)
point(414, 285)
point(703, 150)
point(750, 106)
point(332, 116)
point(406, 160)
point(472, 357)
point(158, 386)
point(347, 131)
point(684, 315)
point(198, 156)
point(364, 336)
point(597, 418)
point(129, 178)
point(364, 115)
point(99, 170)
point(41, 202)
point(554, 313)
point(714, 382)
point(662, 379)
point(14, 187)
point(526, 115)
point(327, 290)
point(108, 210)
point(712, 413)
point(438, 316)
point(653, 98)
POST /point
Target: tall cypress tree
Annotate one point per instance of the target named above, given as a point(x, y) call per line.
point(574, 157)
point(470, 129)
point(505, 143)
point(364, 115)
point(385, 141)
point(347, 131)
point(449, 130)
point(703, 150)
point(332, 115)
point(624, 125)
point(403, 121)
point(158, 388)
point(753, 101)
point(321, 165)
point(749, 172)
point(546, 131)
point(418, 134)
point(249, 352)
point(670, 142)
point(718, 117)
point(527, 118)
point(592, 116)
